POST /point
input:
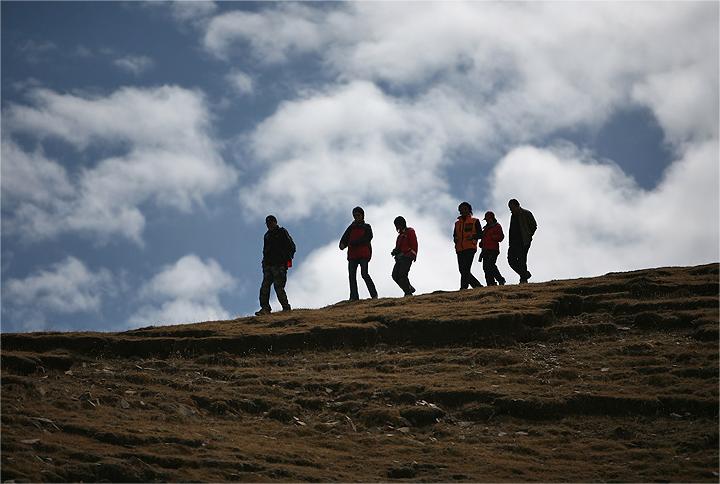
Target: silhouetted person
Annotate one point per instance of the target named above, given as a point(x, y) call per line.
point(466, 234)
point(522, 228)
point(405, 252)
point(278, 251)
point(492, 235)
point(357, 239)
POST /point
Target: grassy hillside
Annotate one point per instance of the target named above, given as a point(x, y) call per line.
point(597, 379)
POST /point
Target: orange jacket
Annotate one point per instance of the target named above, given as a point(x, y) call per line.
point(466, 234)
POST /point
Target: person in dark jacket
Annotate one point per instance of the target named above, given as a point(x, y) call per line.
point(522, 229)
point(357, 239)
point(405, 253)
point(492, 235)
point(466, 235)
point(278, 252)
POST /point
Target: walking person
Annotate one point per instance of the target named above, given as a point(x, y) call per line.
point(357, 239)
point(466, 234)
point(278, 252)
point(522, 229)
point(405, 253)
point(492, 235)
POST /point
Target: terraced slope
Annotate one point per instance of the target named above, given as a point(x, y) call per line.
point(599, 379)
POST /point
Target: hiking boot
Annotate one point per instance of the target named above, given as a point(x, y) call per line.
point(262, 312)
point(412, 290)
point(527, 276)
point(501, 282)
point(287, 308)
point(523, 281)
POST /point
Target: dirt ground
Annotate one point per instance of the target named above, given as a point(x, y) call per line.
point(612, 378)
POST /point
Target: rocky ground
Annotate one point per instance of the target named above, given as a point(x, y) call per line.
point(612, 378)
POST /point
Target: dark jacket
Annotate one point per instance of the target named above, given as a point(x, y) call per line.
point(278, 247)
point(522, 227)
point(357, 238)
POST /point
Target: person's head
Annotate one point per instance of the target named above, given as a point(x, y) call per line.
point(271, 222)
point(358, 214)
point(513, 205)
point(465, 209)
point(400, 223)
point(489, 217)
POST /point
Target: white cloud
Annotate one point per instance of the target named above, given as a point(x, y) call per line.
point(273, 33)
point(593, 219)
point(165, 155)
point(134, 64)
point(68, 287)
point(186, 291)
point(191, 11)
point(240, 82)
point(347, 145)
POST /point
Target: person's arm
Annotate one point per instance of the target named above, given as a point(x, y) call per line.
point(290, 245)
point(533, 223)
point(455, 235)
point(500, 234)
point(344, 239)
point(478, 230)
point(412, 241)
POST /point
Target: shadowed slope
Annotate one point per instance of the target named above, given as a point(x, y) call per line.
point(562, 380)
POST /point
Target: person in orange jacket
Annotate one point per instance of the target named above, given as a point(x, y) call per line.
point(492, 235)
point(405, 253)
point(466, 234)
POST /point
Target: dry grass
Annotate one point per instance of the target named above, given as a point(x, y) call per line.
point(604, 379)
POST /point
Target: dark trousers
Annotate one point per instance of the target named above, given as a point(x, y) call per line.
point(400, 274)
point(517, 258)
point(465, 259)
point(352, 273)
point(276, 276)
point(490, 268)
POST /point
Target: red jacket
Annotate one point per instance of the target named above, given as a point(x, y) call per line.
point(492, 235)
point(357, 237)
point(407, 243)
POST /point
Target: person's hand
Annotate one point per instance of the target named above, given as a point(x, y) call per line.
point(395, 252)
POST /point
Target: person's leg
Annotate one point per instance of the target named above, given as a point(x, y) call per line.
point(352, 275)
point(470, 278)
point(463, 268)
point(524, 262)
point(514, 260)
point(400, 274)
point(487, 265)
point(265, 289)
point(495, 271)
point(366, 277)
point(279, 280)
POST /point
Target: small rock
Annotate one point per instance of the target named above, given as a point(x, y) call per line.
point(30, 441)
point(124, 403)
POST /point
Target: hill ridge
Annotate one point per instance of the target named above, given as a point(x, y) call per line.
point(562, 380)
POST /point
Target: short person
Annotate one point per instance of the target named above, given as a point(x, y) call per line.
point(278, 251)
point(492, 235)
point(405, 253)
point(357, 239)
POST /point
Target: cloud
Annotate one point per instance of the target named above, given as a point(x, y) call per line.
point(68, 287)
point(295, 29)
point(36, 51)
point(134, 64)
point(347, 145)
point(163, 153)
point(240, 82)
point(613, 224)
point(184, 292)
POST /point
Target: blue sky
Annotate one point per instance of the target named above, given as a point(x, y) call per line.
point(144, 143)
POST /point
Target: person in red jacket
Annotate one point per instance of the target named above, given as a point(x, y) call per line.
point(466, 235)
point(357, 239)
point(492, 235)
point(405, 253)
